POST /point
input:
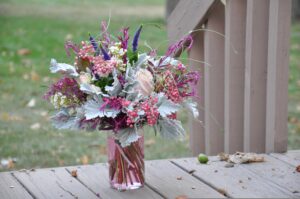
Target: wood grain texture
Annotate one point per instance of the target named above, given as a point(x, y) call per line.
point(214, 82)
point(256, 53)
point(278, 74)
point(53, 183)
point(277, 172)
point(235, 26)
point(196, 56)
point(236, 182)
point(10, 188)
point(172, 181)
point(292, 157)
point(187, 15)
point(95, 177)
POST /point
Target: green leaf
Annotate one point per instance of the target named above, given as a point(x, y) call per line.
point(132, 56)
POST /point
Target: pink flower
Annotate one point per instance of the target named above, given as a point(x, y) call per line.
point(103, 67)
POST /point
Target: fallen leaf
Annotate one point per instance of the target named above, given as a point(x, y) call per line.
point(298, 168)
point(35, 126)
point(223, 156)
point(23, 51)
point(181, 197)
point(31, 103)
point(74, 173)
point(84, 159)
point(222, 191)
point(34, 76)
point(193, 187)
point(179, 178)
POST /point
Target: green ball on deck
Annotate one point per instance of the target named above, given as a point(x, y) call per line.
point(202, 158)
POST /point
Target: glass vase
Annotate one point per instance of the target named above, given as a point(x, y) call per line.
point(126, 164)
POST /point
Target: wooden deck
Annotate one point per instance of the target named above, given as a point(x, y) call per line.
point(274, 178)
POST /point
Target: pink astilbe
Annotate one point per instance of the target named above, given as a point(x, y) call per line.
point(85, 53)
point(103, 67)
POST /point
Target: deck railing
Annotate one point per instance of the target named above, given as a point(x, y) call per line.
point(244, 86)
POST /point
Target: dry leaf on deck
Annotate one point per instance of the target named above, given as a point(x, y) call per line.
point(74, 173)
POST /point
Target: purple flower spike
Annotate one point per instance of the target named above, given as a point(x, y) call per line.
point(105, 54)
point(136, 38)
point(94, 43)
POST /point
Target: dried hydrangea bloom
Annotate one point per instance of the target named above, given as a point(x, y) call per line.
point(145, 85)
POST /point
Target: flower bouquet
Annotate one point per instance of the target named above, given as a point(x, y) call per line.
point(114, 87)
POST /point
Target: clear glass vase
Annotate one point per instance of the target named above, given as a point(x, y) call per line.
point(126, 164)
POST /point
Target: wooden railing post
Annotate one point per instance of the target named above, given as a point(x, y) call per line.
point(235, 25)
point(196, 55)
point(256, 53)
point(277, 78)
point(214, 81)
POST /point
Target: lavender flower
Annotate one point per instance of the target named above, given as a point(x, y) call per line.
point(94, 44)
point(104, 53)
point(136, 39)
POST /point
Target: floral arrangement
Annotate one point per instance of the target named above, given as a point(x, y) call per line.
point(113, 86)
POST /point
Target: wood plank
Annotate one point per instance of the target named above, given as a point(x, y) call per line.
point(96, 178)
point(277, 172)
point(196, 54)
point(187, 15)
point(10, 188)
point(214, 81)
point(278, 74)
point(292, 157)
point(172, 181)
point(236, 182)
point(256, 53)
point(53, 183)
point(235, 26)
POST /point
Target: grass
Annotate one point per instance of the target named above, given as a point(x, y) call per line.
point(25, 133)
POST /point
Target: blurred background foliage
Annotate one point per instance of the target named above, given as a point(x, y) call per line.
point(33, 31)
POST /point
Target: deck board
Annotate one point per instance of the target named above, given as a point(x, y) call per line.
point(236, 182)
point(10, 188)
point(274, 178)
point(96, 178)
point(53, 183)
point(172, 181)
point(277, 172)
point(291, 157)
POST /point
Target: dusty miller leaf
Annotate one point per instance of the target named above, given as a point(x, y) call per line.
point(165, 106)
point(127, 136)
point(63, 120)
point(62, 67)
point(92, 109)
point(170, 129)
point(116, 87)
point(191, 106)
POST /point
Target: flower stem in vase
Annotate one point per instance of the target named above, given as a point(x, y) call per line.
point(126, 164)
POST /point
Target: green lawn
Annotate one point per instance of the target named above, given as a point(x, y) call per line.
point(25, 132)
